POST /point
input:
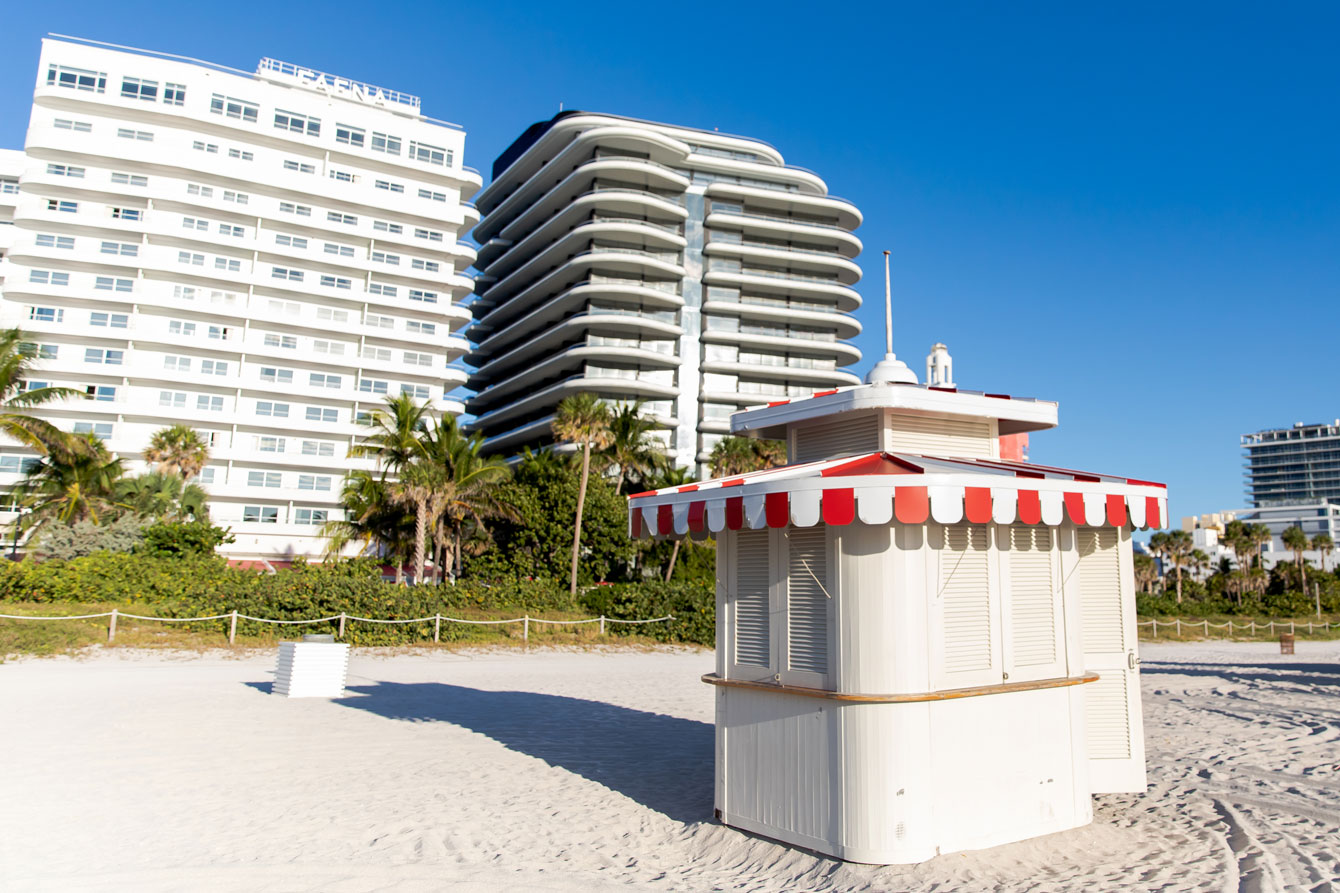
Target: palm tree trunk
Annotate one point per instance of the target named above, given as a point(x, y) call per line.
point(1179, 582)
point(456, 548)
point(674, 553)
point(577, 527)
point(618, 484)
point(420, 535)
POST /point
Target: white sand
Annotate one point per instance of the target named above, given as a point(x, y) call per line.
point(587, 772)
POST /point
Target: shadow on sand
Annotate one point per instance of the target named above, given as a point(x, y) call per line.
point(1296, 674)
point(662, 762)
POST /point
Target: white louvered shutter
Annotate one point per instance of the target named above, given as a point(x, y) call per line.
point(752, 643)
point(807, 605)
point(941, 436)
point(1114, 730)
point(1033, 601)
point(969, 638)
point(838, 437)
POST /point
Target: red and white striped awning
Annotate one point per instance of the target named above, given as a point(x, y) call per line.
point(880, 488)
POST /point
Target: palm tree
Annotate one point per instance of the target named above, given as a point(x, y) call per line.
point(396, 437)
point(471, 491)
point(1296, 541)
point(16, 397)
point(581, 419)
point(632, 448)
point(1159, 548)
point(178, 450)
point(1258, 535)
point(72, 483)
point(159, 495)
point(372, 520)
point(1324, 546)
point(1146, 572)
point(414, 490)
point(739, 455)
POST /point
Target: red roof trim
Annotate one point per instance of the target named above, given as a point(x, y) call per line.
point(1140, 483)
point(875, 463)
point(823, 393)
point(643, 493)
point(779, 402)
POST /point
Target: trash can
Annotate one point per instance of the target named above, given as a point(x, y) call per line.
point(316, 667)
point(1286, 643)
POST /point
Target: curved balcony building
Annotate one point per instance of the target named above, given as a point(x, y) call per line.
point(692, 270)
point(264, 257)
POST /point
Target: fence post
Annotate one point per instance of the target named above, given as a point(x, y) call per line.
point(525, 629)
point(111, 626)
point(1207, 628)
point(1291, 629)
point(232, 627)
point(341, 635)
point(437, 628)
point(602, 624)
point(1253, 625)
point(1179, 627)
point(1156, 627)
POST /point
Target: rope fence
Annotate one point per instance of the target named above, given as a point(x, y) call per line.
point(1251, 627)
point(233, 616)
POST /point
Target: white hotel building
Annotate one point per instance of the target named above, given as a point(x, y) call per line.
point(690, 269)
point(264, 257)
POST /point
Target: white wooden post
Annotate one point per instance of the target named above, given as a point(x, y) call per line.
point(602, 624)
point(341, 635)
point(1253, 625)
point(111, 626)
point(437, 628)
point(1207, 627)
point(525, 629)
point(232, 627)
point(1179, 627)
point(1291, 629)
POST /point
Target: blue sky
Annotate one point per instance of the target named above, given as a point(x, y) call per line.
point(1132, 211)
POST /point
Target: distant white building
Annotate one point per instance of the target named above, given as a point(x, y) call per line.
point(264, 257)
point(1314, 518)
point(940, 367)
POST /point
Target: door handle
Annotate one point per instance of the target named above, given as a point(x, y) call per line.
point(1131, 660)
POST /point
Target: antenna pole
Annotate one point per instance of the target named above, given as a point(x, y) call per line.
point(888, 308)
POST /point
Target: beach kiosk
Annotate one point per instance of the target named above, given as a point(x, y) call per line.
point(921, 648)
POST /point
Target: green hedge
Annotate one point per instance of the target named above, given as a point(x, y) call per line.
point(192, 587)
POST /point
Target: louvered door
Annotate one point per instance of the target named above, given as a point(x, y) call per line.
point(751, 606)
point(808, 607)
point(966, 642)
point(854, 436)
point(1102, 577)
point(1031, 593)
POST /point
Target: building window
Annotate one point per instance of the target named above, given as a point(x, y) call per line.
point(343, 176)
point(296, 123)
point(179, 327)
point(183, 292)
point(382, 257)
point(213, 367)
point(123, 249)
point(313, 482)
point(174, 94)
point(373, 386)
point(206, 476)
point(270, 444)
point(211, 148)
point(349, 136)
point(65, 207)
point(108, 283)
point(234, 108)
point(327, 347)
point(332, 315)
point(271, 479)
point(430, 266)
point(177, 364)
point(378, 288)
point(318, 448)
point(195, 223)
point(337, 217)
point(340, 250)
point(385, 227)
point(47, 277)
point(260, 514)
point(41, 351)
point(77, 79)
point(47, 314)
point(76, 126)
point(188, 257)
point(286, 273)
point(292, 308)
point(322, 414)
point(382, 354)
point(209, 404)
point(288, 342)
point(236, 232)
point(420, 328)
point(113, 320)
point(127, 214)
point(278, 376)
point(241, 154)
point(301, 167)
point(197, 189)
point(324, 380)
point(103, 356)
point(274, 410)
point(336, 282)
point(143, 136)
point(429, 154)
point(291, 241)
point(129, 179)
point(431, 235)
point(300, 210)
point(432, 196)
point(101, 393)
point(417, 391)
point(101, 430)
point(310, 516)
point(65, 170)
point(382, 142)
point(9, 186)
point(428, 297)
point(240, 198)
point(228, 264)
point(418, 359)
point(389, 186)
point(136, 88)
